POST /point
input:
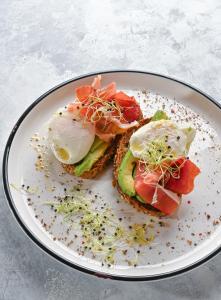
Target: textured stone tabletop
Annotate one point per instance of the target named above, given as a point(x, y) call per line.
point(43, 43)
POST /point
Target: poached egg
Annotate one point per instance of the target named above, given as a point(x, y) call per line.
point(177, 139)
point(70, 140)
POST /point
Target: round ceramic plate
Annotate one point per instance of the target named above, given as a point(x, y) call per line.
point(170, 245)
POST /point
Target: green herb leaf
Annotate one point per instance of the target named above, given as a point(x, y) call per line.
point(159, 115)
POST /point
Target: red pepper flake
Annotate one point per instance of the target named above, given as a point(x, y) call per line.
point(189, 202)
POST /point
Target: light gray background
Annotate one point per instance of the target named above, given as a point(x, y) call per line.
point(43, 43)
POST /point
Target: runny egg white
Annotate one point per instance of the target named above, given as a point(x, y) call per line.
point(69, 139)
point(178, 139)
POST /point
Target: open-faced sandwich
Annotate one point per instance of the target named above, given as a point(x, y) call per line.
point(83, 135)
point(151, 166)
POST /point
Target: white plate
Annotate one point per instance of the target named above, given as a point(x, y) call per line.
point(190, 238)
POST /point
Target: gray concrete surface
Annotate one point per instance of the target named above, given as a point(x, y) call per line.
point(43, 43)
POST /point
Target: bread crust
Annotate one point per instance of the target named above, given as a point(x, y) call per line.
point(120, 152)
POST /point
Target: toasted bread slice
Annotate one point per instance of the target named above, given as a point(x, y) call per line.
point(120, 152)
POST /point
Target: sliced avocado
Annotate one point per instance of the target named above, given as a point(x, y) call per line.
point(140, 199)
point(125, 174)
point(97, 142)
point(89, 160)
point(159, 115)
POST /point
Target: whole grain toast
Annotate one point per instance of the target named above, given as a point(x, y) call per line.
point(120, 152)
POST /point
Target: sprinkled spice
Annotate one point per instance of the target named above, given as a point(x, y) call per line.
point(162, 224)
point(102, 230)
point(215, 222)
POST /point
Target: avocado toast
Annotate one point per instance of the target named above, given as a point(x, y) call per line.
point(124, 164)
point(151, 167)
point(84, 134)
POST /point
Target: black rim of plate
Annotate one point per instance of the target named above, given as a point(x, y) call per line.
point(35, 239)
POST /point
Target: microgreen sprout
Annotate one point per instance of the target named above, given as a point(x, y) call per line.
point(101, 231)
point(159, 156)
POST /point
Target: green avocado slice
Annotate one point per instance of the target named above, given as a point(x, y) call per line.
point(97, 151)
point(97, 142)
point(125, 174)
